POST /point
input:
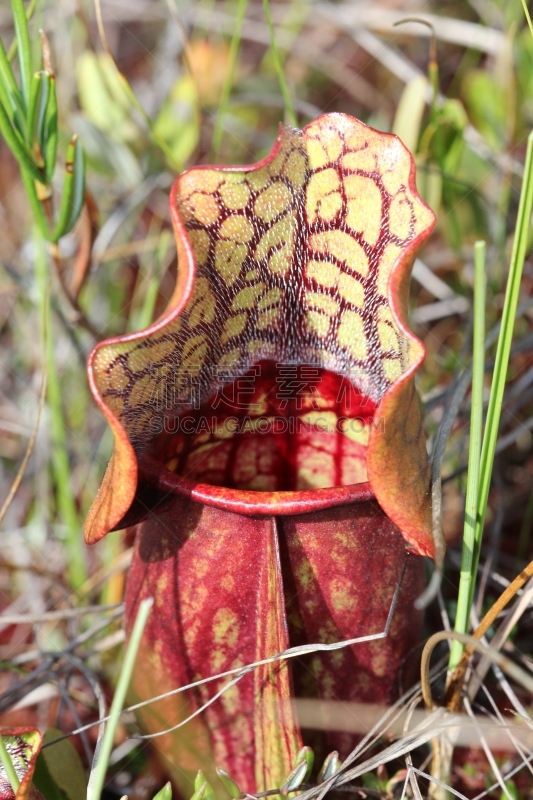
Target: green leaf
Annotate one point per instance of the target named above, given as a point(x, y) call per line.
point(229, 784)
point(73, 190)
point(487, 103)
point(294, 779)
point(45, 783)
point(108, 156)
point(408, 119)
point(512, 788)
point(178, 120)
point(165, 793)
point(301, 772)
point(201, 783)
point(371, 781)
point(330, 766)
point(59, 771)
point(24, 48)
point(201, 792)
point(307, 756)
point(103, 98)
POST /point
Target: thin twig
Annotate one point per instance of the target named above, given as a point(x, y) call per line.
point(455, 684)
point(517, 673)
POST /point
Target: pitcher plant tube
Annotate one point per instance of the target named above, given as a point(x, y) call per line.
point(269, 446)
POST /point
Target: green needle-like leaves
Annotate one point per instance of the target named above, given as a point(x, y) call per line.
point(39, 96)
point(480, 467)
point(28, 123)
point(504, 348)
point(24, 47)
point(43, 121)
point(10, 96)
point(17, 146)
point(49, 131)
point(73, 190)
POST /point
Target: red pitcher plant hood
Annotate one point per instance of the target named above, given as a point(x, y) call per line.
point(256, 424)
point(301, 259)
point(23, 745)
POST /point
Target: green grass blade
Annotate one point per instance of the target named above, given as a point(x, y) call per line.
point(24, 47)
point(528, 16)
point(278, 65)
point(468, 574)
point(230, 76)
point(97, 779)
point(60, 461)
point(7, 764)
point(504, 348)
point(293, 22)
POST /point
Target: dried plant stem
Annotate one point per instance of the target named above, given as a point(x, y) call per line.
point(505, 664)
point(455, 685)
point(79, 317)
point(443, 746)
